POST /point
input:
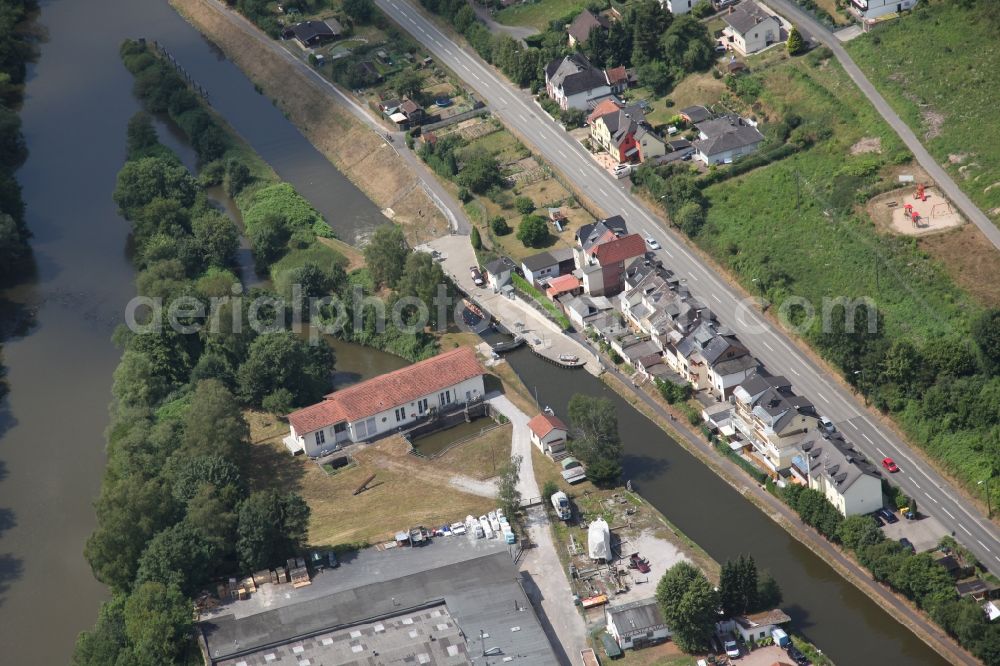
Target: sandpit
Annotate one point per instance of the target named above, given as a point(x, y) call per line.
point(935, 213)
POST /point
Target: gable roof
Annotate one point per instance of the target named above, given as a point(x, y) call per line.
point(590, 234)
point(409, 106)
point(543, 424)
point(585, 23)
point(616, 75)
point(605, 106)
point(309, 30)
point(562, 284)
point(574, 74)
point(726, 133)
point(746, 16)
point(636, 617)
point(764, 618)
point(497, 266)
point(696, 114)
point(388, 391)
point(538, 261)
point(619, 249)
point(836, 458)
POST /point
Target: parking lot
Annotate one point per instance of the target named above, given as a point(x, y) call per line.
point(924, 533)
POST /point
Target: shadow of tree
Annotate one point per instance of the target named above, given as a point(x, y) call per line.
point(271, 466)
point(643, 468)
point(11, 568)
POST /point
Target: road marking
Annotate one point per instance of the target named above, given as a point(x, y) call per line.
point(411, 20)
point(476, 76)
point(603, 193)
point(582, 172)
point(716, 298)
point(965, 529)
point(448, 51)
point(916, 484)
point(853, 425)
point(667, 252)
point(822, 397)
point(466, 67)
point(768, 346)
point(795, 372)
point(948, 512)
point(523, 117)
point(421, 30)
point(437, 42)
point(881, 452)
point(868, 438)
point(562, 153)
point(931, 498)
point(693, 276)
point(984, 546)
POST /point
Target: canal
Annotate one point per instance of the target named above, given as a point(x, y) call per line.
point(60, 371)
point(824, 608)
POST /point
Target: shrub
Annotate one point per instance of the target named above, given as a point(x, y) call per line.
point(524, 205)
point(499, 226)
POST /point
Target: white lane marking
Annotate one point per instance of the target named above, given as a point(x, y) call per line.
point(997, 558)
point(476, 76)
point(931, 498)
point(523, 117)
point(768, 346)
point(881, 452)
point(603, 193)
point(554, 135)
point(984, 546)
point(948, 512)
point(795, 372)
point(916, 484)
point(562, 153)
point(693, 276)
point(437, 42)
point(421, 30)
point(868, 438)
point(582, 172)
point(822, 397)
point(667, 252)
point(965, 529)
point(411, 20)
point(853, 425)
point(466, 67)
point(716, 298)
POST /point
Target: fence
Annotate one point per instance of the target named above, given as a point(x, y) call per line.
point(457, 118)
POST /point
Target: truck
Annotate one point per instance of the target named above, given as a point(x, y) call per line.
point(780, 637)
point(560, 502)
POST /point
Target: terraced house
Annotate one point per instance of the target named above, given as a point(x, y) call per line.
point(387, 403)
point(830, 464)
point(772, 419)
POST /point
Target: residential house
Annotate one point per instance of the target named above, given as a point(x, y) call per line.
point(414, 112)
point(722, 140)
point(572, 81)
point(750, 28)
point(608, 105)
point(872, 9)
point(755, 626)
point(584, 24)
point(653, 366)
point(601, 251)
point(620, 79)
point(313, 33)
point(387, 403)
point(772, 418)
point(696, 114)
point(581, 309)
point(636, 624)
point(712, 358)
point(719, 418)
point(831, 465)
point(678, 7)
point(632, 348)
point(497, 273)
point(549, 434)
point(389, 106)
point(626, 136)
point(544, 265)
point(562, 285)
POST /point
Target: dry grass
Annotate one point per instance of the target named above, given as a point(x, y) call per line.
point(479, 457)
point(701, 88)
point(350, 145)
point(355, 259)
point(970, 260)
point(404, 493)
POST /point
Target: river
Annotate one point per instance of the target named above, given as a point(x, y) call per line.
point(52, 424)
point(824, 607)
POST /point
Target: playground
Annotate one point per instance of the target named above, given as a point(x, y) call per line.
point(916, 210)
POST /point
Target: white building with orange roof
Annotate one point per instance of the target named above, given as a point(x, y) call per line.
point(548, 433)
point(387, 403)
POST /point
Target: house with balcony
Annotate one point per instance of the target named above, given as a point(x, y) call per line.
point(830, 464)
point(572, 81)
point(772, 419)
point(750, 28)
point(712, 358)
point(387, 403)
point(723, 140)
point(602, 250)
point(625, 135)
point(873, 9)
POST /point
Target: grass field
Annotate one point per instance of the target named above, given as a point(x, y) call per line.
point(774, 224)
point(539, 14)
point(937, 68)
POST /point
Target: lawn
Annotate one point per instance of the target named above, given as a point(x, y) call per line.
point(937, 69)
point(479, 457)
point(779, 224)
point(539, 14)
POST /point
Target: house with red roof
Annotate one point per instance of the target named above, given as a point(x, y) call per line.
point(602, 251)
point(548, 433)
point(387, 403)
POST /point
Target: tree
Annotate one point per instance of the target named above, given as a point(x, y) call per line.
point(687, 46)
point(549, 489)
point(595, 438)
point(533, 231)
point(768, 593)
point(524, 205)
point(421, 278)
point(216, 237)
point(463, 18)
point(190, 474)
point(649, 22)
point(214, 422)
point(12, 245)
point(386, 254)
point(359, 10)
point(157, 624)
point(689, 606)
point(102, 645)
point(480, 171)
point(238, 176)
point(795, 43)
point(269, 239)
point(476, 239)
point(272, 526)
point(657, 76)
point(690, 218)
point(283, 360)
point(499, 225)
point(13, 150)
point(141, 135)
point(407, 83)
point(179, 556)
point(142, 181)
point(738, 586)
point(857, 532)
point(986, 335)
point(508, 496)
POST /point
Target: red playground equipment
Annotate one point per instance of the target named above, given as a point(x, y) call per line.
point(920, 194)
point(912, 214)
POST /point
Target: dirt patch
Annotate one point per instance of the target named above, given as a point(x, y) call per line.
point(933, 121)
point(970, 260)
point(869, 144)
point(357, 152)
point(957, 158)
point(894, 211)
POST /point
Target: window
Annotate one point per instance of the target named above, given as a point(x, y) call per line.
point(372, 428)
point(320, 438)
point(445, 398)
point(401, 414)
point(340, 427)
point(422, 406)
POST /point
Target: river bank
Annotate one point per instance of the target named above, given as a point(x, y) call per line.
point(355, 149)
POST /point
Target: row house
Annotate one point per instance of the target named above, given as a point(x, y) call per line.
point(830, 464)
point(712, 358)
point(772, 419)
point(602, 251)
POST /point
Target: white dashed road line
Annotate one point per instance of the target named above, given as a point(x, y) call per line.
point(603, 193)
point(853, 425)
point(880, 451)
point(965, 529)
point(563, 154)
point(916, 484)
point(716, 298)
point(948, 512)
point(931, 498)
point(768, 346)
point(795, 372)
point(869, 439)
point(984, 546)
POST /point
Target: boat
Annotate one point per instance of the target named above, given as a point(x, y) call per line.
point(458, 528)
point(472, 307)
point(485, 524)
point(494, 521)
point(560, 502)
point(599, 540)
point(569, 359)
point(548, 410)
point(508, 345)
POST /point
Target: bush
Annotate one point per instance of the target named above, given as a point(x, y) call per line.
point(476, 239)
point(499, 226)
point(533, 231)
point(524, 205)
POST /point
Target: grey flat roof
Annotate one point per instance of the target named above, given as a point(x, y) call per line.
point(475, 580)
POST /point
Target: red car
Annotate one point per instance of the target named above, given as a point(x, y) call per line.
point(890, 465)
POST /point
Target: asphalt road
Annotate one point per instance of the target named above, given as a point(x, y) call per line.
point(772, 346)
point(814, 31)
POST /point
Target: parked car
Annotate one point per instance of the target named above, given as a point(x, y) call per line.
point(477, 276)
point(890, 465)
point(732, 649)
point(652, 243)
point(888, 516)
point(907, 544)
point(621, 171)
point(332, 559)
point(877, 518)
point(827, 425)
